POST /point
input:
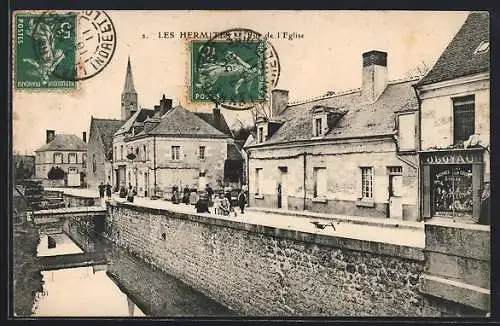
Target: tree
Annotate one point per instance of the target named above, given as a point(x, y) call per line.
point(56, 173)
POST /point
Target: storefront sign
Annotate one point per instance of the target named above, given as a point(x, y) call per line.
point(452, 158)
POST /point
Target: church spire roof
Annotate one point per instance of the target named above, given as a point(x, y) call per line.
point(129, 81)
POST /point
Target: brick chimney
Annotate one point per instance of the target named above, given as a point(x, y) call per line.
point(164, 107)
point(84, 136)
point(279, 101)
point(374, 75)
point(49, 135)
point(217, 118)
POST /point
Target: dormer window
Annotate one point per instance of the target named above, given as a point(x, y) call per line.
point(318, 127)
point(260, 135)
point(483, 47)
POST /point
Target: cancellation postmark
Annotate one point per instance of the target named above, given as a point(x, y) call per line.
point(55, 50)
point(235, 69)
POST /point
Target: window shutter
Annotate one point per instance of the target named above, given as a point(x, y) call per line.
point(358, 178)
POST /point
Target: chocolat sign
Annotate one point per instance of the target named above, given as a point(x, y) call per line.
point(452, 158)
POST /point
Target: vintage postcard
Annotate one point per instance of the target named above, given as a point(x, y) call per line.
point(250, 163)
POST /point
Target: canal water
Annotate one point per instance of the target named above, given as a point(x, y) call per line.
point(124, 286)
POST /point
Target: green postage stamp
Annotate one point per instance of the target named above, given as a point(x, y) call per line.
point(45, 54)
point(228, 71)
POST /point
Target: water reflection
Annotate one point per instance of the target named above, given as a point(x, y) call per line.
point(125, 286)
point(82, 291)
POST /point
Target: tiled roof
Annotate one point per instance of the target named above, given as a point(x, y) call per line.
point(140, 116)
point(63, 142)
point(106, 129)
point(360, 119)
point(181, 122)
point(209, 117)
point(233, 153)
point(458, 59)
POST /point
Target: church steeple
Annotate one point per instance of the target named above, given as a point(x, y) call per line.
point(129, 95)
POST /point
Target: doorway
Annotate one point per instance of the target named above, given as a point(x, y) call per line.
point(282, 187)
point(395, 192)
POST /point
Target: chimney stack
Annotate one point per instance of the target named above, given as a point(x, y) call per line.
point(217, 118)
point(279, 101)
point(374, 75)
point(84, 136)
point(164, 107)
point(49, 135)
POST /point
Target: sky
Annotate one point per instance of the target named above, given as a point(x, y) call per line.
point(327, 58)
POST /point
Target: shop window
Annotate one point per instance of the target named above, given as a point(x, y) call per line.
point(202, 152)
point(463, 118)
point(367, 182)
point(452, 190)
point(258, 180)
point(319, 182)
point(58, 158)
point(406, 131)
point(176, 153)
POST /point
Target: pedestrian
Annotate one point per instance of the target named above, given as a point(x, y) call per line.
point(108, 190)
point(130, 194)
point(225, 206)
point(202, 204)
point(185, 195)
point(210, 193)
point(217, 203)
point(242, 200)
point(101, 190)
point(175, 195)
point(193, 196)
point(484, 216)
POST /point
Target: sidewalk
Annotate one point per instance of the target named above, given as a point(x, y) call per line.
point(346, 227)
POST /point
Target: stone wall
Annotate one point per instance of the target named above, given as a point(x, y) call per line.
point(258, 270)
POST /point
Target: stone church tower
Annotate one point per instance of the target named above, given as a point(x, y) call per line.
point(129, 95)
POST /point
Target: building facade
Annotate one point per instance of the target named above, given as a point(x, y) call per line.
point(157, 149)
point(67, 152)
point(455, 125)
point(351, 153)
point(100, 151)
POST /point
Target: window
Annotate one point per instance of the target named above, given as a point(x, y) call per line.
point(483, 47)
point(318, 130)
point(260, 135)
point(121, 152)
point(202, 152)
point(94, 164)
point(320, 182)
point(115, 153)
point(176, 153)
point(463, 118)
point(58, 158)
point(406, 131)
point(258, 180)
point(367, 182)
point(144, 150)
point(72, 158)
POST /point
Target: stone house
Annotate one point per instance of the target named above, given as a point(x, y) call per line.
point(173, 146)
point(100, 151)
point(351, 153)
point(455, 124)
point(67, 152)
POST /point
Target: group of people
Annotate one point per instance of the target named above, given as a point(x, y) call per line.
point(104, 188)
point(221, 203)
